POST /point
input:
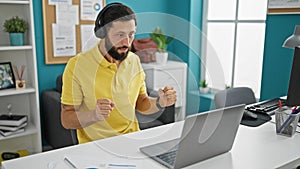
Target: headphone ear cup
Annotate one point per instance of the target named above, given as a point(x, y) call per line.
point(100, 33)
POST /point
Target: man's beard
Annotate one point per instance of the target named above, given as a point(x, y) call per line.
point(113, 51)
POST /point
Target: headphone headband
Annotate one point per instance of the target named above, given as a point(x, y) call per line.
point(98, 29)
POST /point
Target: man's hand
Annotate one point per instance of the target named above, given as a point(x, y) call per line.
point(103, 108)
point(167, 96)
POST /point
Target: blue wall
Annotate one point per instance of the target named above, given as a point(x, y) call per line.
point(277, 60)
point(193, 100)
point(46, 73)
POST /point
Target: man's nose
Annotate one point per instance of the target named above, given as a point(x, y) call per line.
point(125, 41)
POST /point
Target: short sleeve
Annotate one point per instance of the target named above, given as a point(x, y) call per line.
point(143, 88)
point(71, 89)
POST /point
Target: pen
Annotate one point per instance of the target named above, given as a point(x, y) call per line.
point(280, 104)
point(122, 165)
point(70, 163)
point(294, 109)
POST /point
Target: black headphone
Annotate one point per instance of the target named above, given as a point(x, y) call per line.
point(100, 32)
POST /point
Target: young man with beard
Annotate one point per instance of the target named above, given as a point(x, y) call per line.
point(102, 87)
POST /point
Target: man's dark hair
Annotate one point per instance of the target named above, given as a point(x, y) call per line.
point(112, 12)
point(118, 12)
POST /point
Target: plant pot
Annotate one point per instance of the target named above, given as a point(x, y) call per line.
point(161, 57)
point(16, 39)
point(204, 89)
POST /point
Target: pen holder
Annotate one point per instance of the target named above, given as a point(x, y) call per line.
point(286, 122)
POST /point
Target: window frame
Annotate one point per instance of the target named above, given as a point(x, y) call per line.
point(204, 44)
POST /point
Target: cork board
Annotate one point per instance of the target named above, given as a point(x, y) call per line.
point(49, 17)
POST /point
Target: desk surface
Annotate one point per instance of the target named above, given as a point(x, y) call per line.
point(258, 148)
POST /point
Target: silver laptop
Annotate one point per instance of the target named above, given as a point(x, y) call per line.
point(204, 135)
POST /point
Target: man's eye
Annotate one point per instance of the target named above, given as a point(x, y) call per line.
point(131, 35)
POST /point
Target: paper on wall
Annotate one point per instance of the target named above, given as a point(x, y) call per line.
point(64, 40)
point(67, 14)
point(54, 2)
point(89, 9)
point(88, 38)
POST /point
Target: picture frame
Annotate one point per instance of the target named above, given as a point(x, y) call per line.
point(283, 7)
point(7, 78)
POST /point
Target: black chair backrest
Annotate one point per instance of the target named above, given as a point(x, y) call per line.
point(234, 96)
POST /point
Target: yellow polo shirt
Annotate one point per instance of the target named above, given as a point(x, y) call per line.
point(89, 76)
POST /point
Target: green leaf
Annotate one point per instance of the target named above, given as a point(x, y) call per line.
point(160, 39)
point(15, 25)
point(203, 83)
point(169, 39)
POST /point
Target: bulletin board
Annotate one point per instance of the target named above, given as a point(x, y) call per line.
point(49, 17)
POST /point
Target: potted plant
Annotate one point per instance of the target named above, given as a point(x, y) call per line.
point(162, 42)
point(16, 27)
point(203, 86)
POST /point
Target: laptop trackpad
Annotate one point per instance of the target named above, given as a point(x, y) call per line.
point(160, 148)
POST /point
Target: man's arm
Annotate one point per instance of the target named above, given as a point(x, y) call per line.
point(148, 105)
point(71, 118)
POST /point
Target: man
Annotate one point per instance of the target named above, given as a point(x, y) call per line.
point(102, 87)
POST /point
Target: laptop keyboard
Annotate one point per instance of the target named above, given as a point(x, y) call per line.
point(168, 157)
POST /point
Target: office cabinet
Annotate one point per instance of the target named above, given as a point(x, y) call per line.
point(23, 101)
point(172, 74)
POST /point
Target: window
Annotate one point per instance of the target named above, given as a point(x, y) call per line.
point(233, 45)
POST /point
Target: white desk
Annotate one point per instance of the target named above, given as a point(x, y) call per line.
point(254, 148)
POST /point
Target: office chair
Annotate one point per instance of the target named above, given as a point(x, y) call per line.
point(234, 96)
point(240, 95)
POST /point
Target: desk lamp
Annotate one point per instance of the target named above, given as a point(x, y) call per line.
point(293, 96)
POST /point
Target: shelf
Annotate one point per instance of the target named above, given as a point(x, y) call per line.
point(14, 2)
point(8, 92)
point(29, 129)
point(174, 74)
point(170, 65)
point(26, 100)
point(13, 48)
point(204, 95)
